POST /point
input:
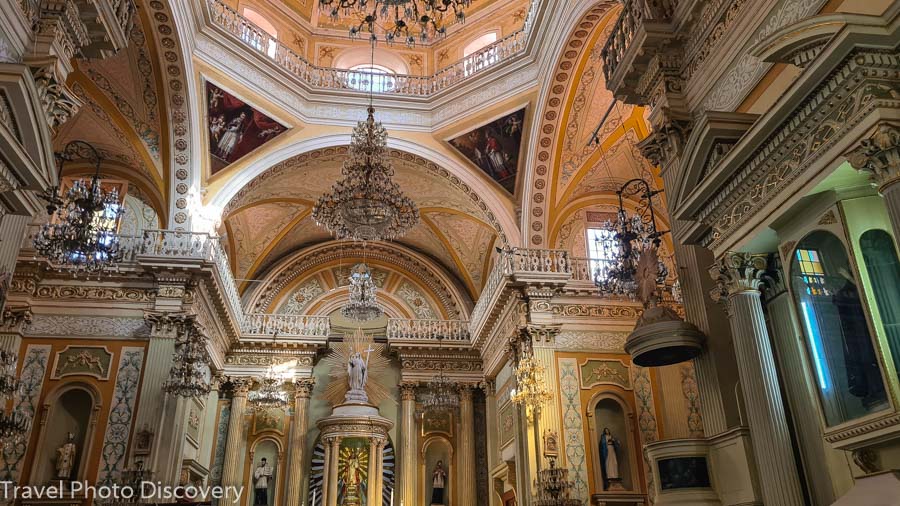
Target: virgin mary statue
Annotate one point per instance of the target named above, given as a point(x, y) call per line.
point(609, 458)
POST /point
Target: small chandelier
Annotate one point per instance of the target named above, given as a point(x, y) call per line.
point(553, 487)
point(531, 390)
point(270, 394)
point(13, 426)
point(81, 234)
point(625, 240)
point(440, 394)
point(189, 375)
point(408, 20)
point(366, 204)
point(362, 305)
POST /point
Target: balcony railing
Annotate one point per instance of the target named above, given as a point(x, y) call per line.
point(344, 79)
point(285, 325)
point(634, 14)
point(451, 330)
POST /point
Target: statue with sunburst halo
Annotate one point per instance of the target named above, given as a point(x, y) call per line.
point(351, 363)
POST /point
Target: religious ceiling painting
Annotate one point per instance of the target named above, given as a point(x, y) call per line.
point(235, 128)
point(494, 148)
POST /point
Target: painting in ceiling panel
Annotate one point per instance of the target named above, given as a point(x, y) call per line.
point(127, 79)
point(470, 240)
point(253, 229)
point(235, 128)
point(494, 148)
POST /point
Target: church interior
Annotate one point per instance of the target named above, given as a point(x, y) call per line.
point(450, 252)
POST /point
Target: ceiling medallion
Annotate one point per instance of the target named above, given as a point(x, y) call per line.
point(366, 204)
point(362, 305)
point(408, 20)
point(81, 234)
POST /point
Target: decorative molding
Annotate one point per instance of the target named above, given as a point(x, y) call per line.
point(879, 154)
point(573, 426)
point(87, 326)
point(594, 372)
point(842, 438)
point(121, 414)
point(80, 292)
point(616, 312)
point(92, 361)
point(58, 101)
point(737, 272)
point(31, 378)
point(604, 341)
point(646, 411)
point(261, 359)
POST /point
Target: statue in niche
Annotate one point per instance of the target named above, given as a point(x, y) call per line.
point(438, 482)
point(609, 461)
point(353, 477)
point(65, 458)
point(261, 476)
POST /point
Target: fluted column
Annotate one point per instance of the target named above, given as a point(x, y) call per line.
point(408, 445)
point(297, 452)
point(372, 485)
point(800, 390)
point(879, 155)
point(466, 441)
point(331, 470)
point(233, 467)
point(379, 476)
point(738, 276)
point(490, 416)
point(12, 232)
point(327, 464)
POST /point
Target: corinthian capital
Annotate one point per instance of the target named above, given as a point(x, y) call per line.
point(736, 273)
point(303, 387)
point(408, 391)
point(879, 154)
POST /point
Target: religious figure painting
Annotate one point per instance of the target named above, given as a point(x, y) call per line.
point(235, 128)
point(494, 148)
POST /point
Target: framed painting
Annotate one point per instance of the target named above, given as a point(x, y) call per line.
point(495, 147)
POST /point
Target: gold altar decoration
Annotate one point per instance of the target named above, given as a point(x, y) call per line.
point(336, 361)
point(353, 470)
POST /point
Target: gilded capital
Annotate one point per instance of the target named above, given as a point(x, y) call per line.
point(879, 154)
point(408, 391)
point(303, 387)
point(465, 392)
point(737, 272)
point(241, 385)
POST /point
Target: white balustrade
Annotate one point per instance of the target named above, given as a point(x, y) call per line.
point(285, 325)
point(451, 330)
point(344, 79)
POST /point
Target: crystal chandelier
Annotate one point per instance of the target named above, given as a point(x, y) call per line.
point(625, 240)
point(366, 204)
point(409, 20)
point(189, 375)
point(12, 425)
point(554, 488)
point(362, 305)
point(270, 394)
point(440, 394)
point(531, 391)
point(81, 234)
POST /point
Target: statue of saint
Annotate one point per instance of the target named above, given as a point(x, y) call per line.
point(438, 482)
point(65, 458)
point(609, 460)
point(261, 476)
point(357, 372)
point(353, 476)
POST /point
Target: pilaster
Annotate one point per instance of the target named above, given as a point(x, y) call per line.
point(738, 276)
point(466, 462)
point(297, 452)
point(408, 439)
point(233, 467)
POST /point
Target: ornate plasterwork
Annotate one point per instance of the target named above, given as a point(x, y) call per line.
point(867, 80)
point(31, 377)
point(609, 342)
point(87, 326)
point(299, 299)
point(879, 154)
point(27, 285)
point(261, 359)
point(595, 372)
point(646, 415)
point(82, 361)
point(574, 310)
point(121, 414)
point(573, 426)
point(57, 100)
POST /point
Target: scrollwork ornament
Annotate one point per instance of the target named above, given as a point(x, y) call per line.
point(737, 272)
point(879, 154)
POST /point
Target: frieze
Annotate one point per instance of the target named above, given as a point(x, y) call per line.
point(593, 341)
point(266, 360)
point(866, 81)
point(845, 435)
point(82, 292)
point(597, 311)
point(445, 365)
point(88, 326)
point(82, 361)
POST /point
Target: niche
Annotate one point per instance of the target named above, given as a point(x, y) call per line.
point(268, 449)
point(615, 461)
point(71, 409)
point(436, 449)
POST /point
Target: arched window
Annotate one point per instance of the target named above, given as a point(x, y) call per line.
point(476, 58)
point(369, 77)
point(840, 344)
point(880, 257)
point(265, 42)
point(602, 250)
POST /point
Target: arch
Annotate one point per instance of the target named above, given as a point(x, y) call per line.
point(497, 211)
point(274, 489)
point(633, 439)
point(357, 56)
point(480, 42)
point(42, 469)
point(879, 254)
point(425, 467)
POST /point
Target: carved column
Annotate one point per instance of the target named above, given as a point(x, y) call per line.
point(739, 276)
point(801, 393)
point(297, 452)
point(408, 446)
point(879, 155)
point(490, 411)
point(331, 470)
point(466, 462)
point(233, 467)
point(326, 442)
point(379, 477)
point(372, 487)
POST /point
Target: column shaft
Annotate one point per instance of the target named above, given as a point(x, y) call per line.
point(801, 395)
point(233, 467)
point(372, 483)
point(325, 472)
point(765, 412)
point(333, 472)
point(297, 452)
point(493, 453)
point(407, 478)
point(523, 465)
point(891, 194)
point(12, 233)
point(466, 462)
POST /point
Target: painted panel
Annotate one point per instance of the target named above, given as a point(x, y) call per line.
point(573, 426)
point(604, 372)
point(34, 367)
point(121, 415)
point(494, 148)
point(82, 361)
